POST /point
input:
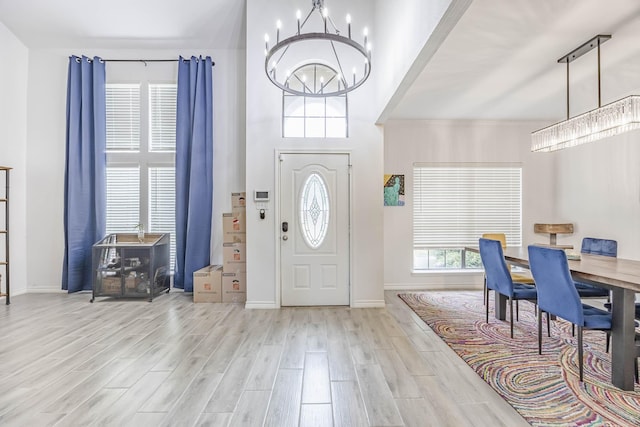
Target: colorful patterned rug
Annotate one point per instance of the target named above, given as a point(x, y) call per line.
point(545, 389)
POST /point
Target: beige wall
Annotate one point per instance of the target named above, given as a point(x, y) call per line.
point(598, 189)
point(13, 152)
point(264, 103)
point(46, 145)
point(406, 142)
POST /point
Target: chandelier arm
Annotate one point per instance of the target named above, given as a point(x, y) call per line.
point(307, 18)
point(338, 61)
point(329, 37)
point(282, 54)
point(335, 28)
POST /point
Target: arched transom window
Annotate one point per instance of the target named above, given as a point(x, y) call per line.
point(314, 116)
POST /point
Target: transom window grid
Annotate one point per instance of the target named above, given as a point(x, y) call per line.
point(141, 158)
point(314, 117)
point(455, 205)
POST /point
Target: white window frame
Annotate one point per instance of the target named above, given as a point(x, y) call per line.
point(454, 204)
point(143, 158)
point(319, 103)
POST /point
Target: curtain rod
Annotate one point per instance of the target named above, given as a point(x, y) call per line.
point(144, 61)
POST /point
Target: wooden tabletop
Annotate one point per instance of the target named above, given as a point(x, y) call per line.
point(611, 271)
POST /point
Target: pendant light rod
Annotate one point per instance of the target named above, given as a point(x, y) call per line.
point(577, 53)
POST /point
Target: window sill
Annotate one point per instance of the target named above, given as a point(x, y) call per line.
point(462, 271)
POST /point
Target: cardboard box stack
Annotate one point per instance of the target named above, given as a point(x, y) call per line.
point(229, 280)
point(234, 248)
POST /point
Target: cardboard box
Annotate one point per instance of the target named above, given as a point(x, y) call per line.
point(234, 287)
point(207, 284)
point(238, 200)
point(111, 285)
point(234, 257)
point(234, 227)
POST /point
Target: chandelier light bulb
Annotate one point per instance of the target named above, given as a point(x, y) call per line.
point(298, 16)
point(278, 26)
point(348, 19)
point(325, 12)
point(348, 25)
point(266, 38)
point(369, 47)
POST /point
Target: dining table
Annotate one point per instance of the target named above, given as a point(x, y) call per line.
point(620, 276)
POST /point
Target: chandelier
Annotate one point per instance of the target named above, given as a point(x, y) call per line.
point(337, 62)
point(612, 119)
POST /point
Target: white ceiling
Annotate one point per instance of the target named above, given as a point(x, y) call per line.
point(498, 62)
point(127, 24)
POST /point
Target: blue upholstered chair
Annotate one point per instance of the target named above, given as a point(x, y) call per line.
point(499, 279)
point(557, 294)
point(593, 246)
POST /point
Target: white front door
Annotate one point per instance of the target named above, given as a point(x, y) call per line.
point(314, 229)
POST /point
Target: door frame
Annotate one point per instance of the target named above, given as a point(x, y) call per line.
point(276, 201)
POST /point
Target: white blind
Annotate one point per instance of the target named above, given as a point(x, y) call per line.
point(454, 206)
point(162, 117)
point(123, 117)
point(123, 199)
point(162, 202)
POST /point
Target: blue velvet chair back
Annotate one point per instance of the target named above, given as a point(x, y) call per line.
point(604, 247)
point(557, 292)
point(495, 268)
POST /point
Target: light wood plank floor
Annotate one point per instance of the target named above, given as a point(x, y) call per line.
point(66, 362)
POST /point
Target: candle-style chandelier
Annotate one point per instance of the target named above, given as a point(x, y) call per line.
point(340, 64)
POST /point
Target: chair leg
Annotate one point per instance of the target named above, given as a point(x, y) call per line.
point(511, 315)
point(548, 325)
point(635, 362)
point(573, 330)
point(580, 352)
point(517, 312)
point(486, 303)
point(608, 341)
point(485, 291)
point(540, 330)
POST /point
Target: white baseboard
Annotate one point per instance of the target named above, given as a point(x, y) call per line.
point(430, 287)
point(261, 305)
point(368, 304)
point(46, 291)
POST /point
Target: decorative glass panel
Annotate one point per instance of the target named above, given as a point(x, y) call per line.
point(314, 210)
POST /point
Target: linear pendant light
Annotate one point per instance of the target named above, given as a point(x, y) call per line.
point(608, 120)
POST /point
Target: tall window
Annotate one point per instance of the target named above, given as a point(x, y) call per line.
point(454, 205)
point(314, 117)
point(141, 140)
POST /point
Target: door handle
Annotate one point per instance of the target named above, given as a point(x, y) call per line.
point(285, 227)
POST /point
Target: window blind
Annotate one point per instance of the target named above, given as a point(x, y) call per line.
point(454, 206)
point(162, 117)
point(123, 117)
point(162, 202)
point(123, 199)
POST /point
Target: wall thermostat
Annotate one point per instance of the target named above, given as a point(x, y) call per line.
point(260, 196)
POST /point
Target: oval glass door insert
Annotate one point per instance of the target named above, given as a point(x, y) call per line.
point(314, 210)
